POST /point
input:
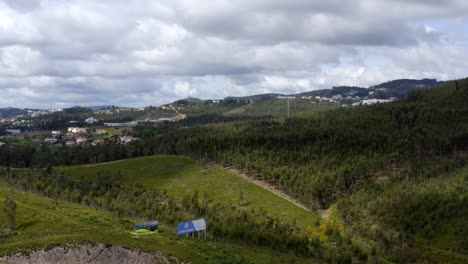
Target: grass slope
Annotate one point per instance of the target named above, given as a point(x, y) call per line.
point(43, 222)
point(278, 108)
point(180, 176)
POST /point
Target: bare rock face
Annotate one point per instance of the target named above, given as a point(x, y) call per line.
point(90, 254)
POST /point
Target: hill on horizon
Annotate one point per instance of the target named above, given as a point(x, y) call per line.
point(399, 88)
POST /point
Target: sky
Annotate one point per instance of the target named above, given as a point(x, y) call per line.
point(61, 53)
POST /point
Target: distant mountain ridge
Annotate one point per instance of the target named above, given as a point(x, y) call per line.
point(338, 90)
point(399, 89)
point(188, 100)
point(7, 112)
point(402, 87)
point(254, 97)
point(403, 83)
point(98, 107)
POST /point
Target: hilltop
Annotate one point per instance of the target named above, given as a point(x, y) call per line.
point(398, 89)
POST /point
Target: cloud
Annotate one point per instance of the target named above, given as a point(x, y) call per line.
point(64, 53)
point(184, 89)
point(22, 5)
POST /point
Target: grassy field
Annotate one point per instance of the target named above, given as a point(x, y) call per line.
point(180, 176)
point(43, 222)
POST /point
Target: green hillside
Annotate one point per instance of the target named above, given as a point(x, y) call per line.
point(278, 108)
point(44, 222)
point(254, 107)
point(7, 112)
point(401, 88)
point(181, 176)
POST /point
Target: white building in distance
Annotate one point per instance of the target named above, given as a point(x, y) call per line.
point(91, 120)
point(77, 130)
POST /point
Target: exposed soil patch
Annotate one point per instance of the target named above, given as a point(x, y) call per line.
point(90, 254)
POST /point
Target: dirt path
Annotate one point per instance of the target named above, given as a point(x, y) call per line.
point(270, 188)
point(325, 214)
point(102, 163)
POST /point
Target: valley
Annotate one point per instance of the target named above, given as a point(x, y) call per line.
point(381, 183)
point(233, 132)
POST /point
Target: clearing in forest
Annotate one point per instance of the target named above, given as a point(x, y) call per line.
point(180, 176)
point(43, 222)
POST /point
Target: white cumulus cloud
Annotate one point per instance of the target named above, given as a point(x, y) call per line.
point(83, 52)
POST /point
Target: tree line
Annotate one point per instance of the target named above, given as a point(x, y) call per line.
point(316, 159)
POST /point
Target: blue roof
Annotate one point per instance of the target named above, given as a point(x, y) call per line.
point(147, 224)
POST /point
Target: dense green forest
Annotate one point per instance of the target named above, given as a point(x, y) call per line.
point(404, 217)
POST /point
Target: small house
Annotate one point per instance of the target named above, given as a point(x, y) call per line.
point(91, 120)
point(13, 131)
point(127, 139)
point(77, 130)
point(100, 132)
point(151, 226)
point(80, 140)
point(50, 140)
point(97, 142)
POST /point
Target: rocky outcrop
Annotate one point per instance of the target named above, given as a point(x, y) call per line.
point(90, 254)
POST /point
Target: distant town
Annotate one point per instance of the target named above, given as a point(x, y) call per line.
point(112, 124)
